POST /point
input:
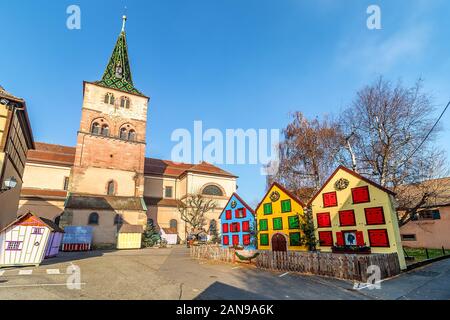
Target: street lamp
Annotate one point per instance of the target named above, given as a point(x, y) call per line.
point(9, 184)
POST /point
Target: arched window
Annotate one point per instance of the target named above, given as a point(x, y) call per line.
point(109, 98)
point(132, 135)
point(111, 188)
point(105, 130)
point(125, 102)
point(118, 219)
point(95, 128)
point(93, 218)
point(212, 190)
point(173, 224)
point(123, 133)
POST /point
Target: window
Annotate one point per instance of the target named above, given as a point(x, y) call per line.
point(235, 240)
point(277, 223)
point(109, 98)
point(13, 245)
point(225, 240)
point(374, 215)
point(409, 237)
point(212, 190)
point(245, 226)
point(329, 199)
point(123, 133)
point(37, 231)
point(240, 213)
point(132, 135)
point(293, 222)
point(347, 218)
point(125, 102)
point(428, 215)
point(235, 227)
point(263, 226)
point(95, 128)
point(212, 227)
point(379, 238)
point(267, 208)
point(323, 220)
point(111, 188)
point(264, 239)
point(286, 206)
point(66, 183)
point(360, 194)
point(105, 130)
point(93, 218)
point(225, 228)
point(173, 224)
point(118, 219)
point(326, 238)
point(228, 214)
point(295, 239)
point(246, 239)
point(168, 192)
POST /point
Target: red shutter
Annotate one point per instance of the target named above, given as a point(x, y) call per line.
point(236, 239)
point(228, 214)
point(236, 213)
point(323, 220)
point(244, 212)
point(225, 228)
point(374, 215)
point(360, 194)
point(238, 227)
point(359, 238)
point(245, 226)
point(326, 238)
point(378, 238)
point(226, 240)
point(330, 199)
point(246, 239)
point(339, 238)
point(347, 218)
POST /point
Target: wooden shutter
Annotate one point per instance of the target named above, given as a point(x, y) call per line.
point(379, 238)
point(347, 218)
point(359, 238)
point(330, 199)
point(246, 239)
point(225, 227)
point(228, 214)
point(236, 213)
point(339, 238)
point(235, 239)
point(374, 215)
point(323, 220)
point(360, 194)
point(326, 238)
point(245, 226)
point(226, 240)
point(244, 212)
point(238, 227)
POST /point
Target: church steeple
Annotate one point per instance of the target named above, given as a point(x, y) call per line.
point(117, 74)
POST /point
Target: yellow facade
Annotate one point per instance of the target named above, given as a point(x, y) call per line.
point(270, 232)
point(129, 241)
point(379, 199)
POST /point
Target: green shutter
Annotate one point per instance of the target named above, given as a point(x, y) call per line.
point(286, 205)
point(264, 239)
point(263, 225)
point(267, 208)
point(277, 224)
point(294, 239)
point(294, 222)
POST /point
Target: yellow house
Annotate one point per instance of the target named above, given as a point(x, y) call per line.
point(278, 220)
point(351, 210)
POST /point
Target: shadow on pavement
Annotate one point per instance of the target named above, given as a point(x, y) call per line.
point(223, 291)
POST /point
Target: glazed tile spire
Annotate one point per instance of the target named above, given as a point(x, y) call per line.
point(117, 74)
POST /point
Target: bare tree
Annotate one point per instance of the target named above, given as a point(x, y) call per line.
point(307, 154)
point(193, 209)
point(386, 125)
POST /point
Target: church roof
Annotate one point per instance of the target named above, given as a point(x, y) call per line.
point(117, 74)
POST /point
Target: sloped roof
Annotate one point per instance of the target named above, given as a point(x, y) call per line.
point(357, 175)
point(153, 201)
point(290, 194)
point(169, 230)
point(39, 221)
point(43, 193)
point(8, 95)
point(243, 203)
point(439, 189)
point(131, 228)
point(84, 201)
point(52, 153)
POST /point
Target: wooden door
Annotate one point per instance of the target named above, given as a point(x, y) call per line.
point(279, 242)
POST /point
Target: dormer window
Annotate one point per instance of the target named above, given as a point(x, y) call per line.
point(109, 98)
point(125, 103)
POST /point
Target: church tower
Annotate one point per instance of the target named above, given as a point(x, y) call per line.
point(107, 180)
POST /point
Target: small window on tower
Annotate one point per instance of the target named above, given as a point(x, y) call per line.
point(132, 135)
point(125, 102)
point(111, 188)
point(123, 133)
point(95, 128)
point(105, 130)
point(109, 98)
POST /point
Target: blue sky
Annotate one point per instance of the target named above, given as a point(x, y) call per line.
point(230, 63)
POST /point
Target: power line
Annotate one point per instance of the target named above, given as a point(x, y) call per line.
point(428, 134)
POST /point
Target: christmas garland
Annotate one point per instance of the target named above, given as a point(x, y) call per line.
point(241, 257)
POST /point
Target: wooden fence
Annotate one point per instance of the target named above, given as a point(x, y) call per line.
point(213, 252)
point(343, 266)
